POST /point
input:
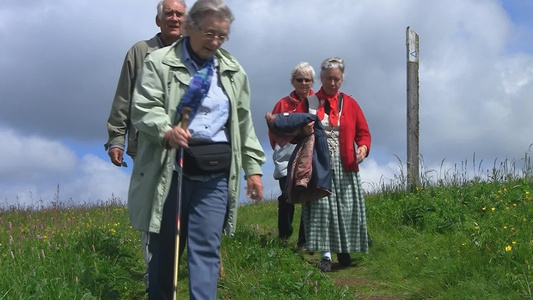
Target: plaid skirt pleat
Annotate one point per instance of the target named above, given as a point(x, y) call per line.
point(337, 223)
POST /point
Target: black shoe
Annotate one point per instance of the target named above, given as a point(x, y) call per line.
point(145, 279)
point(344, 259)
point(325, 264)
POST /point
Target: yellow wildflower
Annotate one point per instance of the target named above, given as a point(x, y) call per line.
point(493, 209)
point(508, 248)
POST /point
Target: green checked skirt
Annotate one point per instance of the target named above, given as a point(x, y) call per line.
point(337, 223)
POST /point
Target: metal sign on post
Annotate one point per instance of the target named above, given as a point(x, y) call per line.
point(413, 123)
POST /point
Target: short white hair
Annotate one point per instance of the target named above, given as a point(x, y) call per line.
point(160, 7)
point(332, 63)
point(201, 8)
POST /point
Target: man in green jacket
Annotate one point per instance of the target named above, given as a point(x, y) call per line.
point(170, 18)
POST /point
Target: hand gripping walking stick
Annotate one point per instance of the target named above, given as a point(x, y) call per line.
point(184, 124)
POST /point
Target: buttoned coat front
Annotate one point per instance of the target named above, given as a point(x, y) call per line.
point(162, 83)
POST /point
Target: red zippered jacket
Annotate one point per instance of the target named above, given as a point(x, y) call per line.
point(353, 128)
point(286, 104)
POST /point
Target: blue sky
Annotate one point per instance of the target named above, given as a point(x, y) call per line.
point(520, 13)
point(59, 68)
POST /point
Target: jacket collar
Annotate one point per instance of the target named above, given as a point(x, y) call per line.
point(173, 56)
point(153, 44)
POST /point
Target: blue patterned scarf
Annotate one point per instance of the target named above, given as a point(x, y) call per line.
point(197, 90)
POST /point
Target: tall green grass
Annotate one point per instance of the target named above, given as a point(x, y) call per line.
point(69, 253)
point(455, 237)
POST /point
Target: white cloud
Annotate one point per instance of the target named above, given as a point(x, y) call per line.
point(36, 172)
point(30, 158)
point(98, 181)
point(59, 70)
point(375, 176)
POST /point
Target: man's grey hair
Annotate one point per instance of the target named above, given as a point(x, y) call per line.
point(332, 63)
point(201, 8)
point(160, 7)
point(303, 68)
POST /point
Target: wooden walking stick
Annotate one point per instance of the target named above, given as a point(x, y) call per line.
point(184, 124)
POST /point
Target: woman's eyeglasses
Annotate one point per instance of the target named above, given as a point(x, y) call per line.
point(218, 36)
point(300, 80)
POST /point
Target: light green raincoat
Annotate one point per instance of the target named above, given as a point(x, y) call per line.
point(161, 84)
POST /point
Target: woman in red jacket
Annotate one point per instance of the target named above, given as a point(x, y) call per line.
point(337, 223)
point(302, 79)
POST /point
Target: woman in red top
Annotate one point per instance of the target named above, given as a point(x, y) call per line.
point(337, 223)
point(302, 79)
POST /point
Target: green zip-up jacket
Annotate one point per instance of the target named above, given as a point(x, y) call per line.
point(161, 84)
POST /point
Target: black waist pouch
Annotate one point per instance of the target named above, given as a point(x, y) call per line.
point(205, 159)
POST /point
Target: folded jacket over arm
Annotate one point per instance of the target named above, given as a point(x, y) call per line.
point(308, 171)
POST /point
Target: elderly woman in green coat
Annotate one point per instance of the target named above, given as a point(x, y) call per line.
point(197, 72)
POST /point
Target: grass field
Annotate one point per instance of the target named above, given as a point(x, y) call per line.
point(454, 239)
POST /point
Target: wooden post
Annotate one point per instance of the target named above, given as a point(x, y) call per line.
point(413, 177)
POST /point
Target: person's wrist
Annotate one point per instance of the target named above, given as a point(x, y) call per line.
point(116, 146)
point(166, 141)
